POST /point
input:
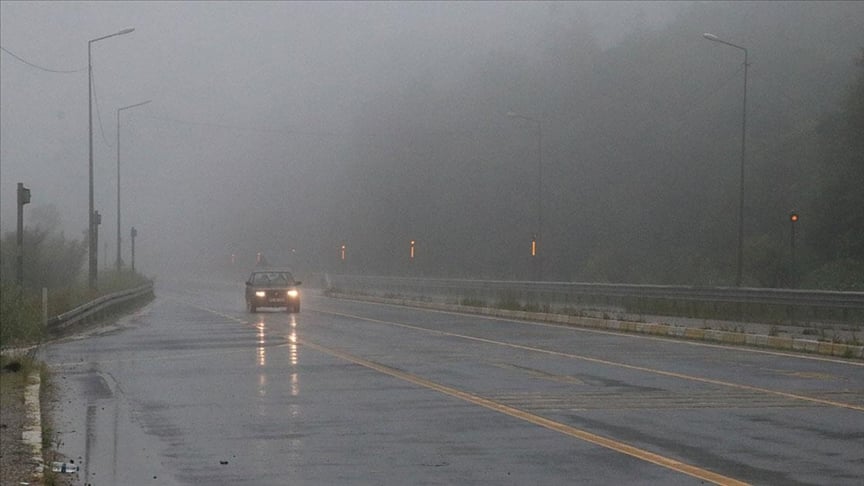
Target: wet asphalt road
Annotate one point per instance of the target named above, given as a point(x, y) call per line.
point(194, 390)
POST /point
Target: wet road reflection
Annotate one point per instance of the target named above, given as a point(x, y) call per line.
point(292, 341)
point(262, 349)
point(294, 356)
point(399, 396)
point(269, 336)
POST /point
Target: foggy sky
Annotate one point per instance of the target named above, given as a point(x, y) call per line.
point(271, 122)
point(240, 90)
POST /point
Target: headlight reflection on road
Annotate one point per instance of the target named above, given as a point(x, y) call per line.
point(293, 351)
point(262, 351)
point(294, 357)
point(262, 384)
point(262, 360)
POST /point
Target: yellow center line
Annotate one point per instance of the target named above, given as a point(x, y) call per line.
point(663, 461)
point(670, 374)
point(666, 462)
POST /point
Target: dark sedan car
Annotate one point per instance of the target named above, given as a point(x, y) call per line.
point(272, 288)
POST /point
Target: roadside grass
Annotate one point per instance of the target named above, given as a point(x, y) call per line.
point(16, 368)
point(472, 302)
point(779, 314)
point(21, 325)
point(21, 319)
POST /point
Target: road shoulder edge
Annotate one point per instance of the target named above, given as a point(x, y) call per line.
point(32, 433)
point(784, 343)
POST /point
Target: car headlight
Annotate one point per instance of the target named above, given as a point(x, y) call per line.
point(260, 293)
point(293, 293)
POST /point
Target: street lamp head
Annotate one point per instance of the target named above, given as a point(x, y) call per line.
point(126, 31)
point(714, 38)
point(513, 114)
point(133, 106)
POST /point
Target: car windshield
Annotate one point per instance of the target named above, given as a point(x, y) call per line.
point(272, 278)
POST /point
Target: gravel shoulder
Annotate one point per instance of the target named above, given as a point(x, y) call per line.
point(16, 465)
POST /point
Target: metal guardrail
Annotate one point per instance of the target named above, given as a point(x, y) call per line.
point(473, 296)
point(97, 306)
point(564, 293)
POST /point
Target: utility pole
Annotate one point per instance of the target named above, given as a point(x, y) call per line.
point(23, 198)
point(93, 252)
point(119, 261)
point(739, 271)
point(134, 234)
point(97, 220)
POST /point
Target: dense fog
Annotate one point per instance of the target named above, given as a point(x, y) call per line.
point(609, 131)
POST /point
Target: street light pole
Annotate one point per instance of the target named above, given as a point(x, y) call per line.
point(535, 241)
point(91, 233)
point(714, 38)
point(119, 259)
point(134, 233)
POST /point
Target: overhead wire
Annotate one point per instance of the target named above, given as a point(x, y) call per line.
point(693, 101)
point(310, 133)
point(236, 127)
point(98, 113)
point(67, 71)
point(60, 71)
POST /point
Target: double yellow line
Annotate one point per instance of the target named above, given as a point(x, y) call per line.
point(614, 445)
point(671, 374)
point(617, 446)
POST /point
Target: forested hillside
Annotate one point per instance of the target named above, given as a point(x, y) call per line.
point(641, 149)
